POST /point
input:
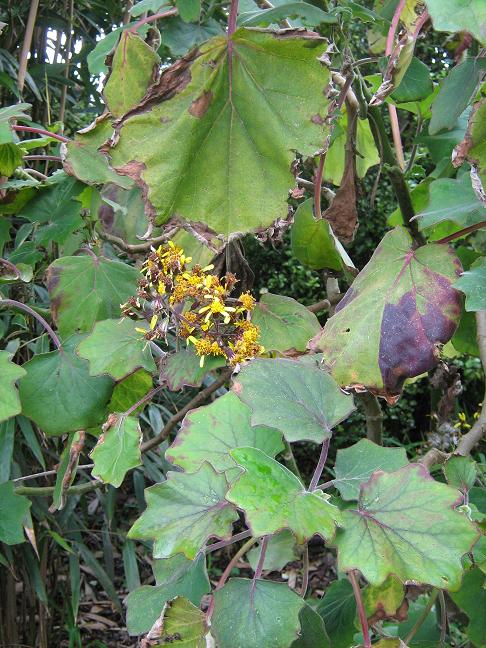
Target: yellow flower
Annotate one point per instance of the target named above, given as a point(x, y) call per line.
point(247, 300)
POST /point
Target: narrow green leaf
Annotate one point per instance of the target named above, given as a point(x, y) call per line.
point(209, 433)
point(405, 524)
point(130, 565)
point(355, 465)
point(9, 397)
point(117, 450)
point(184, 512)
point(273, 498)
point(303, 402)
point(115, 348)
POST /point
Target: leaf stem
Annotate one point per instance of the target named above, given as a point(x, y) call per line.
point(53, 158)
point(261, 560)
point(46, 491)
point(420, 621)
point(241, 552)
point(10, 266)
point(462, 232)
point(148, 396)
point(225, 543)
point(305, 571)
point(136, 247)
point(233, 15)
point(320, 465)
point(395, 126)
point(289, 459)
point(443, 619)
point(40, 131)
point(27, 309)
point(153, 18)
point(361, 611)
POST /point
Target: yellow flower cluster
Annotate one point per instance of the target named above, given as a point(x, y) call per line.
point(198, 304)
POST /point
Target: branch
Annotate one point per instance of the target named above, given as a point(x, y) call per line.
point(24, 54)
point(47, 491)
point(53, 158)
point(470, 440)
point(373, 415)
point(27, 309)
point(323, 305)
point(462, 232)
point(153, 18)
point(136, 247)
point(433, 457)
point(10, 266)
point(225, 543)
point(197, 400)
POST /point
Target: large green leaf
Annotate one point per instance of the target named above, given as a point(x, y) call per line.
point(175, 576)
point(300, 400)
point(247, 116)
point(84, 290)
point(452, 200)
point(134, 67)
point(338, 609)
point(184, 512)
point(9, 398)
point(129, 391)
point(267, 614)
point(313, 242)
point(355, 465)
point(273, 498)
point(115, 348)
point(285, 325)
point(389, 324)
point(60, 396)
point(183, 368)
point(56, 210)
point(473, 284)
point(13, 509)
point(471, 599)
point(209, 433)
point(459, 15)
point(456, 91)
point(117, 450)
point(405, 524)
point(82, 159)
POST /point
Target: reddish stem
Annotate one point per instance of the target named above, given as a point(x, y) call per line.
point(148, 396)
point(233, 15)
point(261, 560)
point(153, 18)
point(395, 126)
point(54, 158)
point(320, 465)
point(39, 318)
point(361, 611)
point(463, 232)
point(12, 267)
point(39, 131)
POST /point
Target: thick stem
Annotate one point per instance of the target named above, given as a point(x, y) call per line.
point(323, 305)
point(24, 54)
point(320, 465)
point(39, 131)
point(361, 611)
point(373, 415)
point(136, 247)
point(27, 309)
point(197, 400)
point(261, 560)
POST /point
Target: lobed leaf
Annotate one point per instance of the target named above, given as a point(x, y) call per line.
point(273, 498)
point(473, 284)
point(184, 512)
point(115, 348)
point(390, 323)
point(117, 450)
point(405, 524)
point(300, 400)
point(209, 433)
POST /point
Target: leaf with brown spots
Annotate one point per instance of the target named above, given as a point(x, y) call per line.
point(238, 110)
point(390, 324)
